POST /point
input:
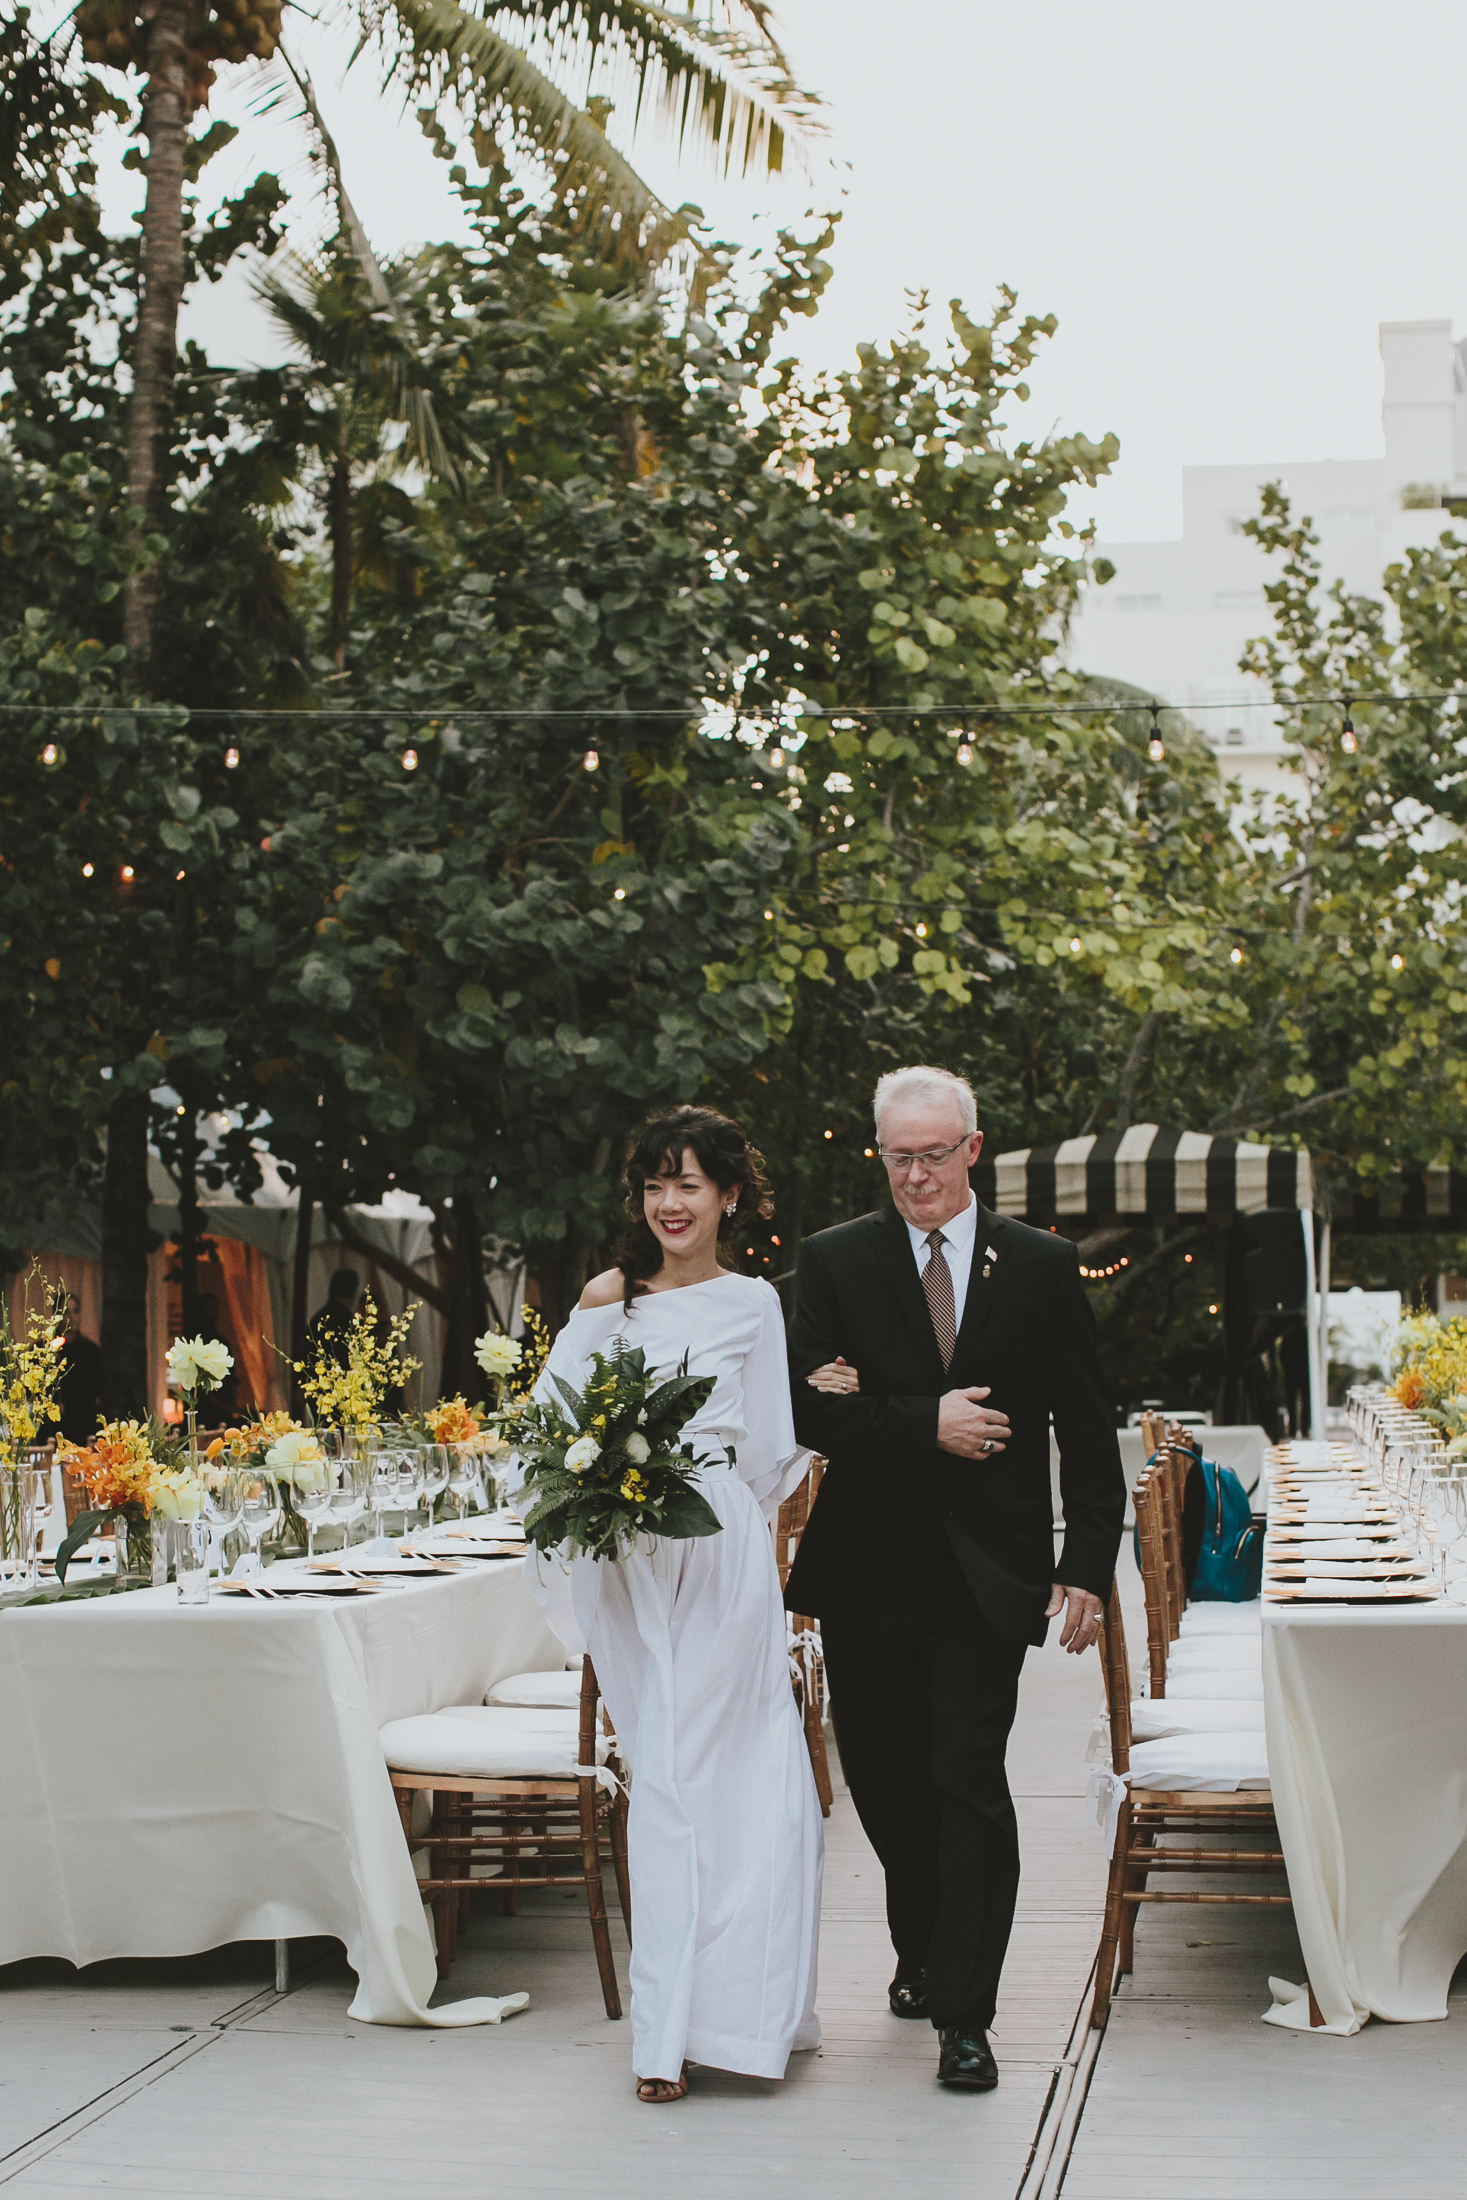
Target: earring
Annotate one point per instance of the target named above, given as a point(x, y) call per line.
point(732, 1209)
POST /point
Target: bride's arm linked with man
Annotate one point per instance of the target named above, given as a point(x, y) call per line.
point(931, 1345)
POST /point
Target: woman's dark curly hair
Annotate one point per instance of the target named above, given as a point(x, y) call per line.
point(721, 1151)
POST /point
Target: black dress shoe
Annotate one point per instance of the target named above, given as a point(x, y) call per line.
point(908, 1996)
point(965, 2058)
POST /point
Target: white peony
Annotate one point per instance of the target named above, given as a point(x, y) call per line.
point(194, 1364)
point(498, 1355)
point(298, 1456)
point(176, 1496)
point(638, 1450)
point(583, 1453)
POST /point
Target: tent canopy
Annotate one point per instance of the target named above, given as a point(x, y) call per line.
point(1144, 1171)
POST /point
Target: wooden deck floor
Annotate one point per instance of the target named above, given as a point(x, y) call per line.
point(194, 2081)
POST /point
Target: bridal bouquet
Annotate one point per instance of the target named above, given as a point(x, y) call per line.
point(606, 1466)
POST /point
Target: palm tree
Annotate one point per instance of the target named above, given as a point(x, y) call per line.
point(721, 83)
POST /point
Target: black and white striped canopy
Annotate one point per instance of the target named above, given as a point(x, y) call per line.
point(1144, 1171)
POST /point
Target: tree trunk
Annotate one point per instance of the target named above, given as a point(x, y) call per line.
point(188, 1224)
point(155, 354)
point(300, 1285)
point(339, 526)
point(468, 1302)
point(125, 1261)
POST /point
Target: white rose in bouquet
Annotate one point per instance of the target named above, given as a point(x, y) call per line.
point(194, 1364)
point(583, 1453)
point(498, 1355)
point(299, 1457)
point(176, 1496)
point(637, 1449)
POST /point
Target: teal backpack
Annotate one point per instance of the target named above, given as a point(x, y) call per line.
point(1229, 1567)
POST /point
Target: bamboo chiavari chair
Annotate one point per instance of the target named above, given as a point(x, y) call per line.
point(541, 1832)
point(808, 1674)
point(1148, 1813)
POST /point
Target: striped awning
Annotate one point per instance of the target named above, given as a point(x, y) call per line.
point(1410, 1199)
point(1144, 1171)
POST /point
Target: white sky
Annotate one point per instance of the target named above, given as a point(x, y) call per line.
point(1218, 205)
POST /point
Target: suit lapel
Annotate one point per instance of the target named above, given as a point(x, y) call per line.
point(983, 1288)
point(899, 1267)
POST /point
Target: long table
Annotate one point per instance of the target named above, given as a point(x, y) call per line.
point(173, 1777)
point(1366, 1716)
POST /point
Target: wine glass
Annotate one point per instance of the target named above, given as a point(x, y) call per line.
point(436, 1466)
point(351, 1493)
point(223, 1503)
point(314, 1482)
point(463, 1474)
point(409, 1482)
point(259, 1513)
point(382, 1483)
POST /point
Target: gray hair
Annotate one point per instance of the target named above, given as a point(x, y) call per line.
point(923, 1082)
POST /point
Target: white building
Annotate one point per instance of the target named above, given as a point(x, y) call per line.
point(1177, 615)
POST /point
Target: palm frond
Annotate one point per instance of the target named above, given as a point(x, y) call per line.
point(452, 50)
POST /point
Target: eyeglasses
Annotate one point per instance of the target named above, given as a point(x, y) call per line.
point(903, 1163)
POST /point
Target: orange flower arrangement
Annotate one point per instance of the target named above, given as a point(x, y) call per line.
point(454, 1422)
point(1409, 1389)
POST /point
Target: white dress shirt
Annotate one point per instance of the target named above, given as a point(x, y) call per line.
point(960, 1234)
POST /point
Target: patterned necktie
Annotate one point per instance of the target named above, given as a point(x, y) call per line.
point(937, 1289)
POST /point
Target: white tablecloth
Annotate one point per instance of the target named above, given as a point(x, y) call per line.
point(1366, 1715)
point(174, 1777)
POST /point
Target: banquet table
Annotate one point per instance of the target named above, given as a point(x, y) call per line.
point(1365, 1709)
point(176, 1776)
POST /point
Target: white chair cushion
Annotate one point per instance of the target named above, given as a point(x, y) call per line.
point(1228, 1680)
point(1220, 1762)
point(1154, 1716)
point(1213, 1653)
point(1223, 1619)
point(469, 1741)
point(538, 1691)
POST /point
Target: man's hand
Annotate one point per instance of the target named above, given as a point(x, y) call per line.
point(966, 1430)
point(1082, 1617)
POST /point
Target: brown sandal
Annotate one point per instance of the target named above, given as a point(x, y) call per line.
point(659, 2092)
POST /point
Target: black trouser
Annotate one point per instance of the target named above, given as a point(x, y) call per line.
point(922, 1723)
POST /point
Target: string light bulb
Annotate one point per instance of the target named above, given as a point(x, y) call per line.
point(127, 872)
point(409, 760)
point(1235, 955)
point(965, 752)
point(50, 753)
point(1398, 962)
point(1075, 945)
point(590, 762)
point(1155, 747)
point(231, 760)
point(921, 931)
point(830, 1134)
point(1348, 741)
point(776, 758)
point(87, 869)
point(620, 894)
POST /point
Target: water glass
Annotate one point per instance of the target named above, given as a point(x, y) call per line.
point(191, 1560)
point(223, 1505)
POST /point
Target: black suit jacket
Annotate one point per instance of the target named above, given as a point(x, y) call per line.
point(891, 1503)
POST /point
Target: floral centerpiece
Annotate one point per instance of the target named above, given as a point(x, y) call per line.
point(606, 1466)
point(136, 1474)
point(30, 1370)
point(350, 1396)
point(1430, 1360)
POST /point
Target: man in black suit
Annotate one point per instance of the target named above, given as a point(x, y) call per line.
point(929, 1554)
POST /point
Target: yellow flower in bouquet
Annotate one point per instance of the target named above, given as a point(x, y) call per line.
point(30, 1368)
point(351, 1396)
point(1431, 1378)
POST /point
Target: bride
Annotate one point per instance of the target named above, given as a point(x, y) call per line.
point(688, 1636)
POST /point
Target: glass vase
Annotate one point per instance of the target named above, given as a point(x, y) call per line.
point(142, 1552)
